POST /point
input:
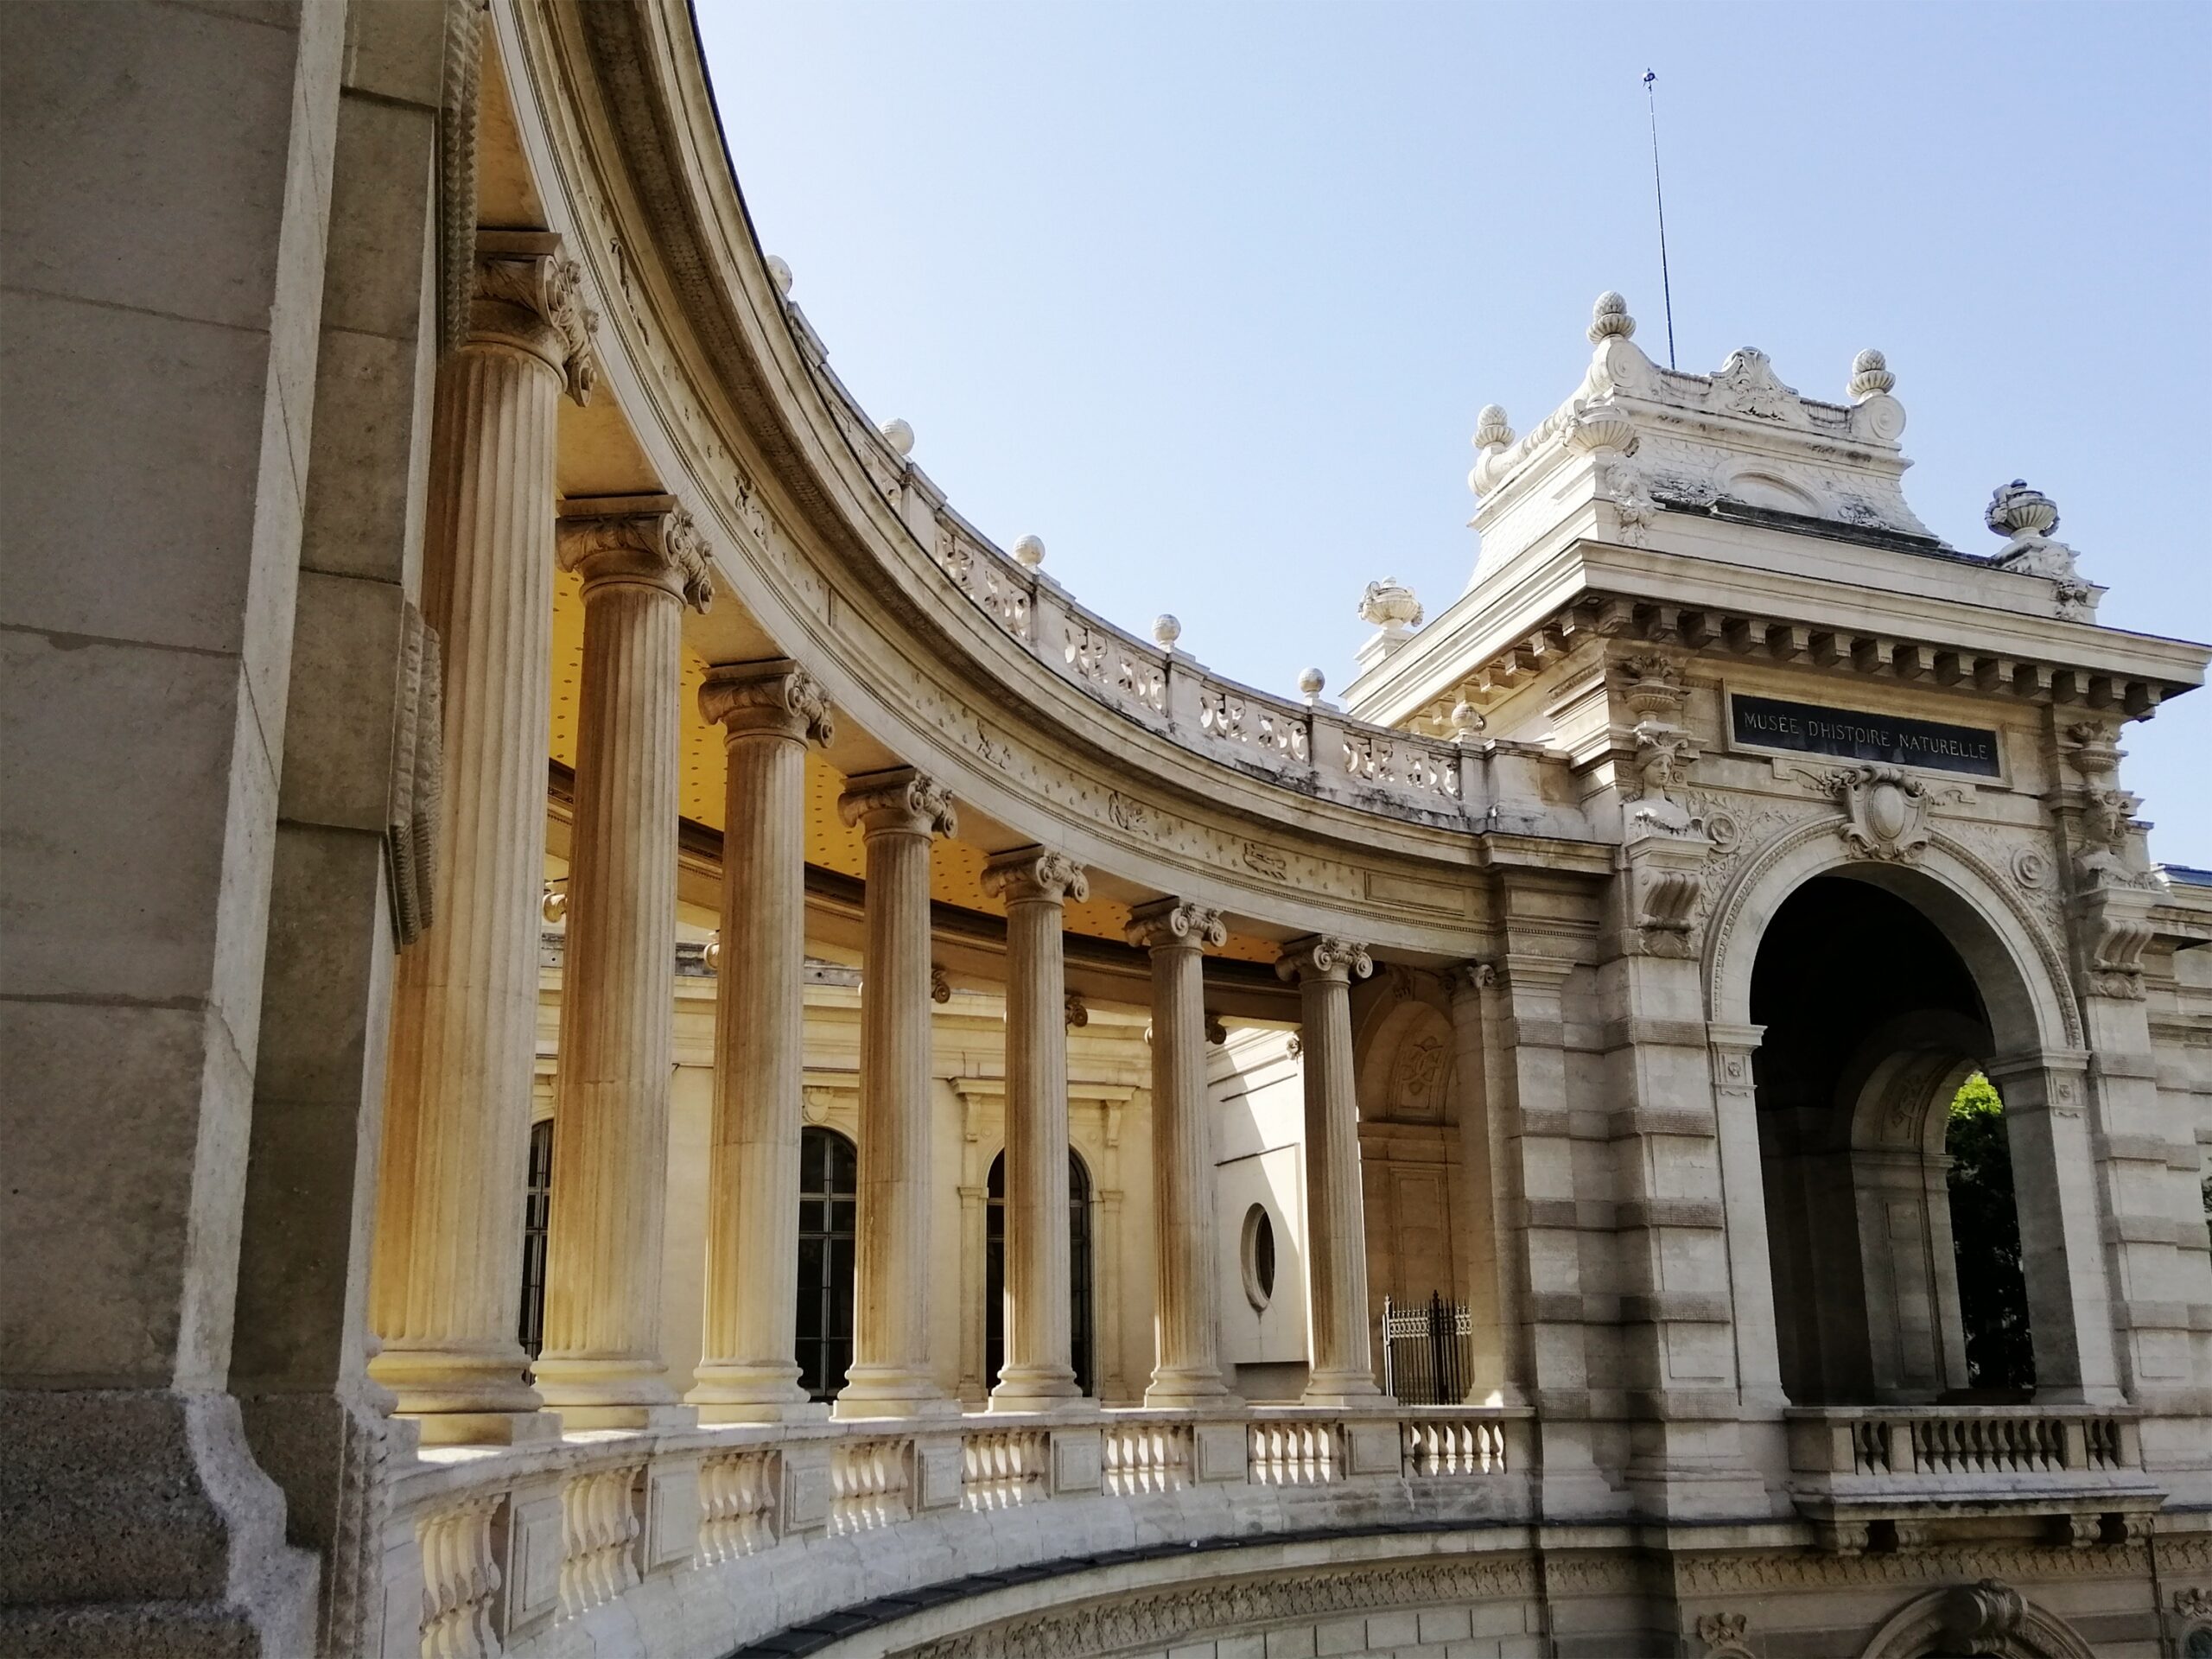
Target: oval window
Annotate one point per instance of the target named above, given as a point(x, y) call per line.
point(1259, 1256)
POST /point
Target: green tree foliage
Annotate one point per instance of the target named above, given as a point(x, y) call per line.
point(1985, 1241)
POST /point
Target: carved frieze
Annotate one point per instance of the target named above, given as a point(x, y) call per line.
point(1161, 1618)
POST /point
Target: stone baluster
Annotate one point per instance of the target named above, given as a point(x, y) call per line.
point(447, 1277)
point(892, 1374)
point(1335, 1214)
point(1187, 1371)
point(641, 561)
point(1035, 884)
point(768, 711)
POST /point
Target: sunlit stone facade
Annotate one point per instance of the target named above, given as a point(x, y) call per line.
point(625, 1039)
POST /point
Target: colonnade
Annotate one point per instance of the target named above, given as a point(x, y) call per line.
point(447, 1265)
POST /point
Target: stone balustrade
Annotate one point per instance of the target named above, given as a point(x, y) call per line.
point(1308, 746)
point(1851, 1467)
point(738, 1530)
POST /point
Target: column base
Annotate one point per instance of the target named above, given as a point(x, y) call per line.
point(1342, 1388)
point(614, 1393)
point(891, 1391)
point(645, 1419)
point(441, 1380)
point(1189, 1389)
point(485, 1427)
point(1041, 1387)
point(736, 1393)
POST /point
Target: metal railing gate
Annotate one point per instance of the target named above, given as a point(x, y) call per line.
point(1427, 1351)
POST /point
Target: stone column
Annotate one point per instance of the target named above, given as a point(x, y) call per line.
point(768, 711)
point(1035, 883)
point(890, 1374)
point(641, 561)
point(448, 1266)
point(2055, 1188)
point(1187, 1372)
point(1336, 1215)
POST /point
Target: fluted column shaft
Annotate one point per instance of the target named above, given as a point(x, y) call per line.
point(892, 1374)
point(1336, 1212)
point(1035, 884)
point(447, 1277)
point(747, 1369)
point(641, 561)
point(1187, 1368)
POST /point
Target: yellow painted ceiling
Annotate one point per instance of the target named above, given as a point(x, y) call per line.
point(956, 866)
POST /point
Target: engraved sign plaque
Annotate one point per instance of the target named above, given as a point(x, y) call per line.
point(1887, 740)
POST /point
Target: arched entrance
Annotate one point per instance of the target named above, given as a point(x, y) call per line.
point(1873, 1022)
point(829, 1211)
point(1079, 1315)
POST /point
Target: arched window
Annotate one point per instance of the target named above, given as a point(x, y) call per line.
point(1079, 1318)
point(539, 1193)
point(828, 1202)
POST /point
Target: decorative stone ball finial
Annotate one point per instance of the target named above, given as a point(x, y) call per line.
point(899, 437)
point(1311, 685)
point(1467, 721)
point(1491, 429)
point(1870, 374)
point(1166, 630)
point(2016, 511)
point(1390, 605)
point(1029, 552)
point(780, 274)
point(1608, 318)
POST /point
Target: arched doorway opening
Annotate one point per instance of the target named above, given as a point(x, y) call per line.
point(828, 1214)
point(1079, 1309)
point(1872, 1160)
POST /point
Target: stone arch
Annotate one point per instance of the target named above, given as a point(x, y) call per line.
point(1881, 1323)
point(2020, 968)
point(1987, 1617)
point(1405, 1060)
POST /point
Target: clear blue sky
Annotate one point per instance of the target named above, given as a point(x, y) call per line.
point(1207, 296)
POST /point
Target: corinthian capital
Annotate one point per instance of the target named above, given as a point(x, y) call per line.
point(777, 695)
point(1172, 922)
point(527, 295)
point(1035, 873)
point(1319, 956)
point(635, 538)
point(900, 799)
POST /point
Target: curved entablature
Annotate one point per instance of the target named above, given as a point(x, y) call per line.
point(1048, 722)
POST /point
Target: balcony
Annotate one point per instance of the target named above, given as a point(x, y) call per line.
point(1893, 1477)
point(750, 1531)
